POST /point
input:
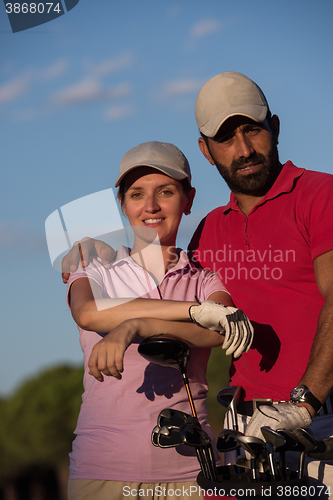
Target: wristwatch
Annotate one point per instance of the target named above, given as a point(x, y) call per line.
point(301, 394)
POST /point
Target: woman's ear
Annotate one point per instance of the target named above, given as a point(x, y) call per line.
point(190, 196)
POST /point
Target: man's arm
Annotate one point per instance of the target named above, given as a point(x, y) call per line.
point(318, 376)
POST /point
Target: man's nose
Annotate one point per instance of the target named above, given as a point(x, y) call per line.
point(244, 146)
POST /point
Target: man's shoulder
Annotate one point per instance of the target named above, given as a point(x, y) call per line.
point(315, 181)
point(216, 212)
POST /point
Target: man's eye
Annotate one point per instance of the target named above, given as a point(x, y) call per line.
point(253, 131)
point(225, 138)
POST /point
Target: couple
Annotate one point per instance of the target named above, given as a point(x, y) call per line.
point(273, 208)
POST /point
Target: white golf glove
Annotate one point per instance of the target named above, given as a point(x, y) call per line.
point(228, 320)
point(279, 416)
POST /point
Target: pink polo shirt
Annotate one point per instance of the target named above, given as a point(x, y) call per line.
point(265, 260)
point(113, 433)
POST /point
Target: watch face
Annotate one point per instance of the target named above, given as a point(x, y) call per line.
point(297, 392)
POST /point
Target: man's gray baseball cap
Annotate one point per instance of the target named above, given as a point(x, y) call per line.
point(225, 95)
point(163, 156)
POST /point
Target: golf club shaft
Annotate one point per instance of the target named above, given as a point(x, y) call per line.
point(272, 465)
point(189, 394)
point(202, 462)
point(301, 465)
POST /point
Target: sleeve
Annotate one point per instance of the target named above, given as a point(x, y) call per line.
point(318, 215)
point(90, 272)
point(211, 284)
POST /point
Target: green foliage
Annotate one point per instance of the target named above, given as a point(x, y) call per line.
point(38, 421)
point(218, 377)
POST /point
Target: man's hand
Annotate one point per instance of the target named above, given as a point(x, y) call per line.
point(228, 320)
point(89, 247)
point(279, 416)
point(107, 356)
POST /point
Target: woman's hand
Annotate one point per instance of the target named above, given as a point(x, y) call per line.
point(230, 321)
point(107, 356)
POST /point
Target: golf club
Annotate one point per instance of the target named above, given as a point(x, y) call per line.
point(255, 447)
point(323, 450)
point(167, 350)
point(154, 435)
point(306, 439)
point(171, 416)
point(168, 437)
point(199, 439)
point(227, 440)
point(291, 443)
point(273, 440)
point(228, 397)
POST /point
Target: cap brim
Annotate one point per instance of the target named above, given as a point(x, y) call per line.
point(256, 113)
point(165, 170)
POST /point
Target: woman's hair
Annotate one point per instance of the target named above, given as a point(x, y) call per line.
point(121, 189)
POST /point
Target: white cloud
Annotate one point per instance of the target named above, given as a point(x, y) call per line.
point(19, 235)
point(205, 28)
point(112, 65)
point(54, 70)
point(180, 88)
point(14, 89)
point(89, 90)
point(115, 113)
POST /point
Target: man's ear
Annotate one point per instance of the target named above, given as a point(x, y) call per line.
point(275, 127)
point(205, 151)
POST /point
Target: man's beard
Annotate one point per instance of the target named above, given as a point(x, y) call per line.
point(257, 183)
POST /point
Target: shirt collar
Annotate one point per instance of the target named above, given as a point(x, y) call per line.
point(123, 255)
point(283, 184)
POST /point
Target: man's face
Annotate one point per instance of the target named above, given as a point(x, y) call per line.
point(245, 153)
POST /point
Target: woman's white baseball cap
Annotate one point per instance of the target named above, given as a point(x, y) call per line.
point(163, 156)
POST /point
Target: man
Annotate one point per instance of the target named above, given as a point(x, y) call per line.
point(272, 245)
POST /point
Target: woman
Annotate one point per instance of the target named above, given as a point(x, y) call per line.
point(112, 453)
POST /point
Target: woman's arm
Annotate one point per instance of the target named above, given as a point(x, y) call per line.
point(92, 312)
point(108, 354)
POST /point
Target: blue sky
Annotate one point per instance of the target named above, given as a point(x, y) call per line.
point(78, 92)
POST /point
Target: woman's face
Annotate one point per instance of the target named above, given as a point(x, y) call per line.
point(155, 200)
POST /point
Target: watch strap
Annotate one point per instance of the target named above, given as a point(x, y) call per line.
point(308, 397)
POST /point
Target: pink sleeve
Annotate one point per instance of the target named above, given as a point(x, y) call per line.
point(91, 272)
point(212, 284)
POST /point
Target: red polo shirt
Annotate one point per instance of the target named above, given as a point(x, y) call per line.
point(265, 260)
